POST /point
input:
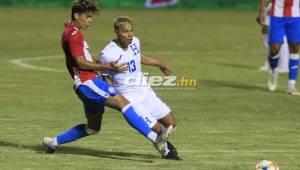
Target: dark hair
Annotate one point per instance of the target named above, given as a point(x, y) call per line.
point(83, 6)
point(120, 20)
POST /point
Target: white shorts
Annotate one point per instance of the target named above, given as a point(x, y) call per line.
point(148, 106)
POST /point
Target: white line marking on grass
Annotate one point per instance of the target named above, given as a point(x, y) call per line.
point(22, 63)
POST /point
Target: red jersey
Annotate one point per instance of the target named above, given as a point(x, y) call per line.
point(285, 8)
point(74, 45)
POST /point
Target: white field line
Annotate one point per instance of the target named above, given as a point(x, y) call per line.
point(22, 63)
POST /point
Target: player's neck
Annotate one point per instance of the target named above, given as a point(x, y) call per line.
point(76, 24)
point(120, 44)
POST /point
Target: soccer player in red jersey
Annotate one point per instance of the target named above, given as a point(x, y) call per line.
point(284, 21)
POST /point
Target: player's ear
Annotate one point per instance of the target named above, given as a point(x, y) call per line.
point(76, 16)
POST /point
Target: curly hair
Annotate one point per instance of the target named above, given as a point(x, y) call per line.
point(83, 6)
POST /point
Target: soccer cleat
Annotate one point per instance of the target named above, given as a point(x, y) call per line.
point(172, 156)
point(162, 138)
point(265, 67)
point(272, 81)
point(160, 143)
point(171, 147)
point(293, 91)
point(170, 131)
point(48, 142)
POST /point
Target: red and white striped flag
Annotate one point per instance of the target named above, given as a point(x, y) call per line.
point(159, 3)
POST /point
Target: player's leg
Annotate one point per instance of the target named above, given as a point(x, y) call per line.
point(119, 102)
point(276, 34)
point(168, 120)
point(93, 111)
point(159, 141)
point(293, 69)
point(74, 133)
point(264, 30)
point(293, 36)
point(160, 111)
point(283, 63)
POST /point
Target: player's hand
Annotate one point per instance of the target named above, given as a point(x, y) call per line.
point(119, 67)
point(165, 69)
point(260, 19)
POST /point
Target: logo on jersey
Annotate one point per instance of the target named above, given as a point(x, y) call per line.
point(119, 59)
point(74, 32)
point(134, 49)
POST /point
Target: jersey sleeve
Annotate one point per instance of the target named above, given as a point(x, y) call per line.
point(76, 45)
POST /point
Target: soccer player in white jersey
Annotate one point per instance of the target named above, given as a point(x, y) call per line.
point(283, 63)
point(285, 20)
point(126, 49)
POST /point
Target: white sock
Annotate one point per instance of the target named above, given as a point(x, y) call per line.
point(55, 142)
point(291, 83)
point(152, 136)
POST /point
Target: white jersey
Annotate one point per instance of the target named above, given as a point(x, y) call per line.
point(285, 8)
point(132, 80)
point(132, 83)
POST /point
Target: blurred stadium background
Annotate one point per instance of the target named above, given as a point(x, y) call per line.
point(181, 4)
point(229, 121)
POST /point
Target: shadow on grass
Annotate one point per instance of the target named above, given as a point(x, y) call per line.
point(88, 152)
point(238, 85)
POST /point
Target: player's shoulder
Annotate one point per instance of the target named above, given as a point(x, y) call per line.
point(71, 31)
point(111, 47)
point(136, 39)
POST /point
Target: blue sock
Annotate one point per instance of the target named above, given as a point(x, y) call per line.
point(135, 120)
point(72, 134)
point(293, 66)
point(273, 61)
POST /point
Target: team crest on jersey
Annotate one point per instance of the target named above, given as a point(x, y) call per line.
point(134, 49)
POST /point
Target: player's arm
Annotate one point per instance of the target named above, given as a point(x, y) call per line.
point(153, 62)
point(260, 18)
point(86, 65)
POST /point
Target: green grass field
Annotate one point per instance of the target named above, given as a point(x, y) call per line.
point(230, 121)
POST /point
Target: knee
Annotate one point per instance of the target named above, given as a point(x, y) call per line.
point(172, 120)
point(157, 128)
point(174, 124)
point(273, 52)
point(92, 131)
point(294, 48)
point(122, 101)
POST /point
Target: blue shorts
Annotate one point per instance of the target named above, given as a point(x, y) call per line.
point(280, 26)
point(93, 94)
